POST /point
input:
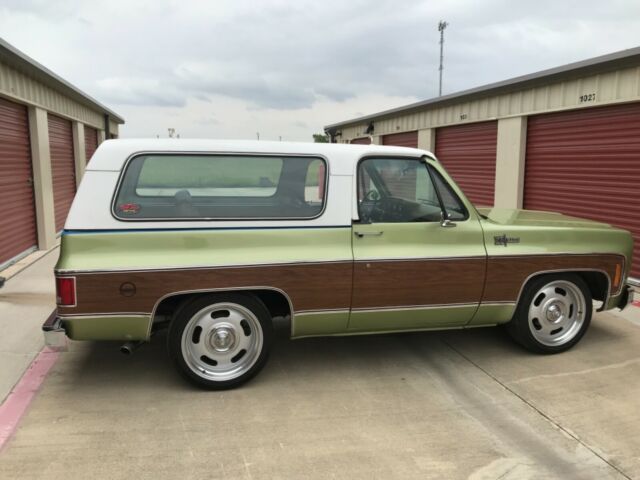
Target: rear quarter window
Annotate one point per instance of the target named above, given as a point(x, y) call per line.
point(216, 187)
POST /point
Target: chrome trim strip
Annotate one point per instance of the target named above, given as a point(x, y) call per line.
point(419, 259)
point(323, 311)
point(199, 267)
point(323, 262)
point(209, 290)
point(131, 157)
point(103, 314)
point(414, 307)
point(80, 316)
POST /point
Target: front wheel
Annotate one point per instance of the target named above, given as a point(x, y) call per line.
point(553, 314)
point(220, 341)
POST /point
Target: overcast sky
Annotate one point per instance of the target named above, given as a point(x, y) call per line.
point(229, 69)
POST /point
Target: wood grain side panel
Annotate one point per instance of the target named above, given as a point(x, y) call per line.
point(419, 282)
point(309, 287)
point(506, 275)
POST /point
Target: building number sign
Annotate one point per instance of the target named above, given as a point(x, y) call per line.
point(590, 97)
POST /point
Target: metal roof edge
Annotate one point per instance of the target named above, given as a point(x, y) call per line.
point(58, 82)
point(595, 63)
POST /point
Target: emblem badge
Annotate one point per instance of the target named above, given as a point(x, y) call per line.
point(504, 240)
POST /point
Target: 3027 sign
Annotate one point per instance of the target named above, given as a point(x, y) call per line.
point(588, 97)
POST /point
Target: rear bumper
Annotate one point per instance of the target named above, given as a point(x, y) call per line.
point(95, 327)
point(55, 336)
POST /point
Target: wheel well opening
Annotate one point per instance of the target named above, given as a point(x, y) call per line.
point(597, 282)
point(276, 302)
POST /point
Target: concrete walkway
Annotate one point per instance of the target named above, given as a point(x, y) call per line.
point(26, 300)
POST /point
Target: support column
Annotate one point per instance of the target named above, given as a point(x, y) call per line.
point(376, 140)
point(42, 177)
point(427, 139)
point(79, 151)
point(510, 158)
point(100, 136)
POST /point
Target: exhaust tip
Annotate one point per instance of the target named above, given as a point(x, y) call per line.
point(130, 347)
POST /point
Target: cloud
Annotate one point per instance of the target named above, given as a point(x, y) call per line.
point(275, 65)
point(140, 92)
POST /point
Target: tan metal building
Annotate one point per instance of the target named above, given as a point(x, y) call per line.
point(48, 131)
point(565, 139)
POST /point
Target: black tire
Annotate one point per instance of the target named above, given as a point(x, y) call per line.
point(537, 334)
point(247, 324)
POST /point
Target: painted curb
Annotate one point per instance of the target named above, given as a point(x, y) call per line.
point(19, 399)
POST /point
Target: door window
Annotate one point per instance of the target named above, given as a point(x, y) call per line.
point(393, 190)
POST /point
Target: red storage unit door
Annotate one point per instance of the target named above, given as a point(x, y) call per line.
point(90, 142)
point(361, 141)
point(586, 163)
point(404, 139)
point(468, 152)
point(18, 218)
point(62, 167)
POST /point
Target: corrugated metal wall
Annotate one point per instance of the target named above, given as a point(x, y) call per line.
point(613, 87)
point(14, 83)
point(404, 139)
point(587, 164)
point(18, 218)
point(468, 152)
point(90, 142)
point(62, 167)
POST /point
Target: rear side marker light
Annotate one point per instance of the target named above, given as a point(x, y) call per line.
point(66, 291)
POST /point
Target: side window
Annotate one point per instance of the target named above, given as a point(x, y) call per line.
point(212, 187)
point(394, 190)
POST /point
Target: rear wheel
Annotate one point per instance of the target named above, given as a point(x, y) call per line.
point(220, 341)
point(553, 314)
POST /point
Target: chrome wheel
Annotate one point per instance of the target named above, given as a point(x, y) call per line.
point(222, 341)
point(556, 313)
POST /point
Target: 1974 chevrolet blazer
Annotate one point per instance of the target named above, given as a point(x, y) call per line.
point(214, 239)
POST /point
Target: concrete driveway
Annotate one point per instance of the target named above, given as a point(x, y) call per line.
point(459, 404)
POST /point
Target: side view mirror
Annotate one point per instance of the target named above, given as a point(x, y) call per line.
point(445, 222)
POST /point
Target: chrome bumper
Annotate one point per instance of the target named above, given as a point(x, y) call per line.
point(626, 297)
point(55, 336)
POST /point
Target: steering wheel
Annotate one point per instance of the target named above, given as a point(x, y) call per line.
point(371, 196)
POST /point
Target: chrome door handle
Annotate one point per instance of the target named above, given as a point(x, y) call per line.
point(367, 234)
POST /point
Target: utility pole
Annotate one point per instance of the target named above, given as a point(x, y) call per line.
point(258, 135)
point(441, 26)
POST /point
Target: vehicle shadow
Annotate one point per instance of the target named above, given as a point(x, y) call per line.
point(332, 360)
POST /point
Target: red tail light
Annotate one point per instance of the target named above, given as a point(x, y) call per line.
point(66, 291)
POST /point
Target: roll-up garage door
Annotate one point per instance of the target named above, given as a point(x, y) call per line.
point(62, 167)
point(361, 141)
point(90, 141)
point(468, 152)
point(586, 163)
point(18, 218)
point(404, 139)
